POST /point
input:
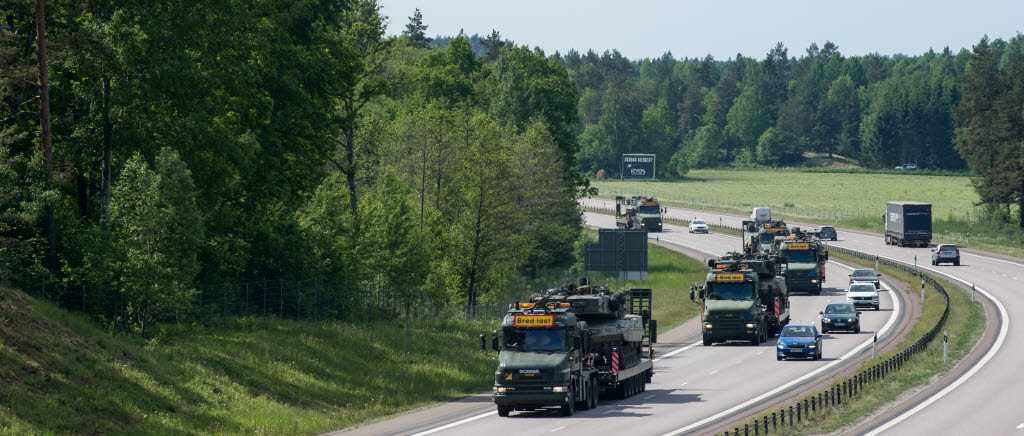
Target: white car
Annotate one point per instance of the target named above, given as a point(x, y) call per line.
point(698, 226)
point(862, 294)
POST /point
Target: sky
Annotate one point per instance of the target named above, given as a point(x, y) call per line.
point(640, 28)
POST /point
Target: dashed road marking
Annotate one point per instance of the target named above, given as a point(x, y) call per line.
point(607, 412)
point(712, 372)
point(649, 397)
point(559, 428)
point(683, 383)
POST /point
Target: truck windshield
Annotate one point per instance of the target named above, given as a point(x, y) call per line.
point(731, 291)
point(535, 339)
point(767, 238)
point(799, 256)
point(650, 209)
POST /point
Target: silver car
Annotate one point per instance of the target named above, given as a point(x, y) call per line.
point(946, 253)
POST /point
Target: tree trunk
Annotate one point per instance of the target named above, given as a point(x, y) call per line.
point(1020, 202)
point(350, 158)
point(477, 230)
point(44, 127)
point(108, 137)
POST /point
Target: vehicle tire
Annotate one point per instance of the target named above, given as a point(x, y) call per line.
point(570, 406)
point(956, 262)
point(584, 403)
point(503, 410)
point(888, 240)
point(756, 339)
point(857, 330)
point(818, 356)
point(877, 308)
point(778, 357)
point(596, 398)
point(824, 330)
point(707, 342)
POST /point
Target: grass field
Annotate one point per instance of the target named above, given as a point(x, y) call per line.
point(850, 199)
point(965, 325)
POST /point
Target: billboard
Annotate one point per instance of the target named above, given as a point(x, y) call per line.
point(621, 250)
point(637, 166)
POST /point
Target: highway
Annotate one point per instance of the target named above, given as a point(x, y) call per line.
point(987, 398)
point(694, 387)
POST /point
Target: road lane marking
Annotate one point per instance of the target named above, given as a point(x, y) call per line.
point(559, 428)
point(677, 351)
point(1003, 330)
point(856, 350)
point(1020, 426)
point(649, 397)
point(456, 423)
point(608, 411)
point(683, 383)
point(712, 372)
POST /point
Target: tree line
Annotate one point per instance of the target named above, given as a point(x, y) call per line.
point(697, 113)
point(213, 142)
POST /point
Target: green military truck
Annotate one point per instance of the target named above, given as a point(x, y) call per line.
point(565, 347)
point(744, 298)
point(640, 213)
point(760, 236)
point(806, 257)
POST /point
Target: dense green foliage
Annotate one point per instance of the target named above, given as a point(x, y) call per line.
point(881, 110)
point(232, 141)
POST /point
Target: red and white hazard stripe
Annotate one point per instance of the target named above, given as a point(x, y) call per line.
point(777, 308)
point(615, 362)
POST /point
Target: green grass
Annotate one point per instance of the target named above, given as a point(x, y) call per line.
point(670, 275)
point(857, 199)
point(63, 374)
point(965, 325)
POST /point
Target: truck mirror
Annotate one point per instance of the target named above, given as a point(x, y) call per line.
point(711, 263)
point(654, 331)
point(693, 295)
point(826, 255)
point(494, 340)
point(483, 342)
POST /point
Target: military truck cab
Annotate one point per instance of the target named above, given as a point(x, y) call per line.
point(806, 257)
point(743, 298)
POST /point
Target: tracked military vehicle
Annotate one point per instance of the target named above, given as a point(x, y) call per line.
point(567, 346)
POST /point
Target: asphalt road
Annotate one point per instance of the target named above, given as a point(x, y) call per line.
point(987, 398)
point(694, 386)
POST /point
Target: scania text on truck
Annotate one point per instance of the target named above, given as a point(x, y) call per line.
point(908, 223)
point(743, 298)
point(566, 347)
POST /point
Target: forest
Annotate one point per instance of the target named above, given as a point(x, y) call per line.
point(881, 110)
point(148, 147)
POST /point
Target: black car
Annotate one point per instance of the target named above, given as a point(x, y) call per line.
point(827, 232)
point(840, 316)
point(865, 275)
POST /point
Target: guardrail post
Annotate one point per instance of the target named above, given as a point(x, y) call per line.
point(775, 424)
point(972, 292)
point(945, 342)
point(922, 290)
point(766, 424)
point(797, 413)
point(790, 416)
point(757, 432)
point(814, 405)
point(876, 262)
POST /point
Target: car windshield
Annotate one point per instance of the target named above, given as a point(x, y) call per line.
point(699, 222)
point(864, 274)
point(947, 248)
point(650, 209)
point(862, 287)
point(731, 291)
point(840, 308)
point(799, 256)
point(535, 340)
point(797, 331)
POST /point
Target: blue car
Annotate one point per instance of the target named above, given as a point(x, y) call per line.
point(798, 340)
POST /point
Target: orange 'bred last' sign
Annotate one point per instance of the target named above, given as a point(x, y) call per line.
point(534, 321)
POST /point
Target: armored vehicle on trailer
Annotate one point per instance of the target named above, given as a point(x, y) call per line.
point(744, 297)
point(640, 213)
point(565, 347)
point(806, 257)
point(763, 236)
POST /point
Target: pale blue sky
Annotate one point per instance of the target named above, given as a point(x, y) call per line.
point(642, 28)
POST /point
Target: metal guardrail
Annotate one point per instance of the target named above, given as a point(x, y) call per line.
point(852, 387)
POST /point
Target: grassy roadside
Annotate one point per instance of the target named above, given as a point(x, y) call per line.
point(64, 374)
point(965, 325)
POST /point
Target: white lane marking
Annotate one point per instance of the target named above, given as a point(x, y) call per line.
point(608, 411)
point(456, 423)
point(649, 397)
point(559, 428)
point(740, 361)
point(864, 345)
point(676, 351)
point(1003, 330)
point(683, 383)
point(1020, 426)
point(712, 372)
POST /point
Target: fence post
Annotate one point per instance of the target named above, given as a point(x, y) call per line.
point(922, 290)
point(945, 341)
point(972, 292)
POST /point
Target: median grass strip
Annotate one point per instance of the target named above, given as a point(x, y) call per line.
point(856, 199)
point(965, 325)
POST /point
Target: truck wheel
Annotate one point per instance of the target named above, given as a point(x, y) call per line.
point(503, 410)
point(584, 402)
point(756, 340)
point(596, 389)
point(888, 240)
point(570, 406)
point(707, 342)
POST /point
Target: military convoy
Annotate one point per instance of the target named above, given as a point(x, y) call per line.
point(744, 298)
point(566, 347)
point(639, 213)
point(805, 262)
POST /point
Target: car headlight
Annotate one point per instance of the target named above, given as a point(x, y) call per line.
point(812, 346)
point(849, 320)
point(750, 326)
point(500, 389)
point(780, 346)
point(827, 320)
point(558, 389)
point(707, 326)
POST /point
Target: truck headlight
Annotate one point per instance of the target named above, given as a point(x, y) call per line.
point(814, 281)
point(750, 326)
point(707, 326)
point(558, 389)
point(500, 389)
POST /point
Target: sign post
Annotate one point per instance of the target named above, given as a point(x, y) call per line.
point(637, 166)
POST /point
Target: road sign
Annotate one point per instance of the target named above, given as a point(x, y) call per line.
point(637, 166)
point(619, 250)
